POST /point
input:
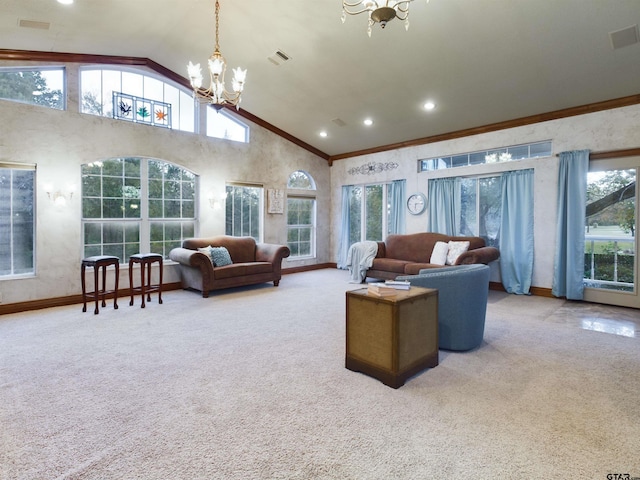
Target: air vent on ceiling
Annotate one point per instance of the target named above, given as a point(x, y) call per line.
point(279, 57)
point(34, 24)
point(625, 37)
point(339, 122)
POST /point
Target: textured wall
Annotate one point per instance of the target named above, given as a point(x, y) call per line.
point(60, 141)
point(609, 130)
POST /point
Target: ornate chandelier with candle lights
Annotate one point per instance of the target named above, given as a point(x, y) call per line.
point(380, 11)
point(216, 93)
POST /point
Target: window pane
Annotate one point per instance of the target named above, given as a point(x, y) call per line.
point(468, 198)
point(243, 209)
point(16, 221)
point(355, 215)
point(221, 125)
point(490, 209)
point(123, 197)
point(43, 87)
point(374, 212)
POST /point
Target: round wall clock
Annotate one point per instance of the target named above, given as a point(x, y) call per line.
point(416, 203)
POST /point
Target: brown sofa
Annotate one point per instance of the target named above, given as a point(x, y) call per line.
point(408, 254)
point(252, 263)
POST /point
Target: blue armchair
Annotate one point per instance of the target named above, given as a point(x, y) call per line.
point(462, 303)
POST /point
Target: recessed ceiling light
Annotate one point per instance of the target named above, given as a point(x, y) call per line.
point(368, 122)
point(323, 134)
point(429, 105)
point(65, 2)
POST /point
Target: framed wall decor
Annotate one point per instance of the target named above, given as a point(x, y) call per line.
point(275, 200)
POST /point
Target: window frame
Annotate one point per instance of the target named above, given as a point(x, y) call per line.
point(31, 272)
point(146, 224)
point(44, 68)
point(230, 205)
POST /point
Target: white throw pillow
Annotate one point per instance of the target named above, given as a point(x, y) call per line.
point(206, 251)
point(439, 253)
point(455, 250)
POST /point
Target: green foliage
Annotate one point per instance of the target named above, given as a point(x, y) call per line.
point(31, 87)
point(621, 213)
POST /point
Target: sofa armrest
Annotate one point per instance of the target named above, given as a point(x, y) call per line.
point(191, 258)
point(479, 255)
point(382, 250)
point(272, 253)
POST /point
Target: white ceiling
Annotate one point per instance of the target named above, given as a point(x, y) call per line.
point(480, 61)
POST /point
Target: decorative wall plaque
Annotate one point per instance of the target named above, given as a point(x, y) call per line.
point(372, 168)
point(275, 200)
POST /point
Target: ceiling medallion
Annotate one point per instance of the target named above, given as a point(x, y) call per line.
point(216, 94)
point(380, 11)
point(372, 168)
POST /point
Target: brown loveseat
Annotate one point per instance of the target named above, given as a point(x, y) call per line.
point(252, 263)
point(408, 254)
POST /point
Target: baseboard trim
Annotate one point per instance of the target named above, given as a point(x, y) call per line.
point(69, 300)
point(536, 291)
point(308, 268)
point(76, 299)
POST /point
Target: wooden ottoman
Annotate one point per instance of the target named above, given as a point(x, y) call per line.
point(392, 338)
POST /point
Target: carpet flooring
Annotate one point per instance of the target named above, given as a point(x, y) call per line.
point(250, 384)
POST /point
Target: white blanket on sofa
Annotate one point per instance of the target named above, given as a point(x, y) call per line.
point(360, 258)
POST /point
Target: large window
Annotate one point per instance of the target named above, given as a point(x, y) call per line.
point(17, 221)
point(244, 211)
point(503, 154)
point(301, 214)
point(38, 86)
point(369, 212)
point(132, 205)
point(98, 85)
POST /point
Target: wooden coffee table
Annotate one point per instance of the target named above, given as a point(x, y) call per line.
point(393, 338)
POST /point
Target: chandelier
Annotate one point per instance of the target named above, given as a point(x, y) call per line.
point(216, 93)
point(380, 11)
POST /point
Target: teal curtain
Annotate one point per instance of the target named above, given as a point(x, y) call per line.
point(516, 231)
point(568, 270)
point(444, 206)
point(396, 201)
point(343, 248)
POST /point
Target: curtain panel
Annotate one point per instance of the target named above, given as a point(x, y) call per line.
point(396, 200)
point(444, 206)
point(516, 231)
point(345, 232)
point(568, 271)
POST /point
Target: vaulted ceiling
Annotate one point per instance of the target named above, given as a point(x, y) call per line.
point(480, 61)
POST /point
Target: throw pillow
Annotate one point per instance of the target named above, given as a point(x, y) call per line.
point(439, 253)
point(220, 256)
point(455, 250)
point(206, 251)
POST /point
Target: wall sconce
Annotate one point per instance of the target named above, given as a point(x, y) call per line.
point(57, 196)
point(216, 202)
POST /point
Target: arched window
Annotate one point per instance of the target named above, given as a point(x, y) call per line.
point(222, 124)
point(133, 204)
point(301, 214)
point(136, 97)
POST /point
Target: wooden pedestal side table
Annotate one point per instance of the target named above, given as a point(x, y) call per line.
point(99, 262)
point(392, 338)
point(146, 288)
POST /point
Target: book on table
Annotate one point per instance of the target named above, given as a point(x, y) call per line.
point(398, 284)
point(381, 290)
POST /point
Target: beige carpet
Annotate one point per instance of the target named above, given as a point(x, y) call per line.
point(251, 384)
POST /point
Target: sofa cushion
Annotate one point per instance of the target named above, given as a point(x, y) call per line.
point(439, 254)
point(220, 256)
point(242, 269)
point(455, 250)
point(389, 265)
point(414, 268)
